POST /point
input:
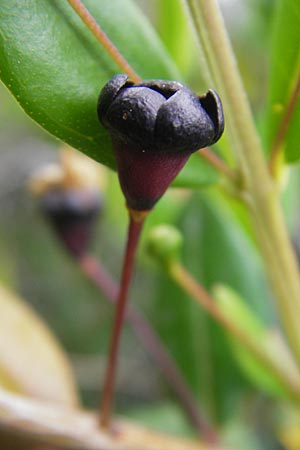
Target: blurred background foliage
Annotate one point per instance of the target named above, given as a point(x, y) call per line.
point(218, 248)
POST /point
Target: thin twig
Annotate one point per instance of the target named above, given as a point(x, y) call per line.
point(284, 125)
point(217, 163)
point(152, 343)
point(134, 231)
point(104, 40)
point(96, 272)
point(187, 282)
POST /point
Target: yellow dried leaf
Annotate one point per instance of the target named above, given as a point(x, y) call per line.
point(27, 423)
point(32, 362)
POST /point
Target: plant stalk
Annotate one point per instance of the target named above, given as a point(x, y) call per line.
point(218, 164)
point(185, 280)
point(134, 231)
point(94, 270)
point(274, 243)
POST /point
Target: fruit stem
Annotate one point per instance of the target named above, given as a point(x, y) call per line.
point(145, 333)
point(134, 231)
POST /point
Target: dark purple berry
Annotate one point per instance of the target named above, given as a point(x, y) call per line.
point(72, 214)
point(155, 126)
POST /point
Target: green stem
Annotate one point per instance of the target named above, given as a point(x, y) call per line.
point(260, 189)
point(185, 280)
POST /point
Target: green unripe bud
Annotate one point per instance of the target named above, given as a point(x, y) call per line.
point(165, 243)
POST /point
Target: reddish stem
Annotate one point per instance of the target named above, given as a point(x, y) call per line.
point(217, 163)
point(104, 40)
point(134, 231)
point(95, 271)
point(284, 125)
point(152, 343)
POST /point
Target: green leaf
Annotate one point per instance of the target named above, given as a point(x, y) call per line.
point(175, 32)
point(236, 309)
point(197, 173)
point(284, 67)
point(55, 67)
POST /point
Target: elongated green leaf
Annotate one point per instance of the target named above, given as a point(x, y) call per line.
point(285, 56)
point(234, 307)
point(55, 68)
point(175, 32)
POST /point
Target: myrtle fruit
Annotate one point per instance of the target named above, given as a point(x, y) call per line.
point(70, 197)
point(155, 126)
point(72, 214)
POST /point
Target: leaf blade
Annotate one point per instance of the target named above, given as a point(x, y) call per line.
point(31, 360)
point(284, 66)
point(55, 68)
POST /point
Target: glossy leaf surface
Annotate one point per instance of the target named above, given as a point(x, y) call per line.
point(55, 67)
